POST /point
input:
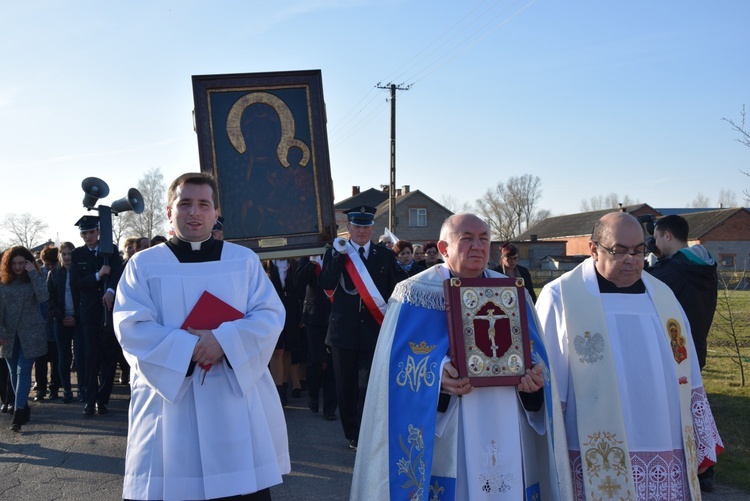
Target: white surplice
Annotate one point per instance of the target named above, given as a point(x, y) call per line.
point(648, 388)
point(190, 437)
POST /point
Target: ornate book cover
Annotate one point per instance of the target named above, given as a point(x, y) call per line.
point(488, 329)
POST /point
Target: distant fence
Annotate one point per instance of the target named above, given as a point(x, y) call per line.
point(733, 279)
point(541, 277)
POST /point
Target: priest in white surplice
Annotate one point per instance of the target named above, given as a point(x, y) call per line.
point(205, 418)
point(629, 379)
point(427, 434)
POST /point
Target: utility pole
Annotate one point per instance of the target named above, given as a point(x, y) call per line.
point(392, 189)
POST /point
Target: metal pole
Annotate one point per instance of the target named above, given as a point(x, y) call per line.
point(392, 186)
point(392, 190)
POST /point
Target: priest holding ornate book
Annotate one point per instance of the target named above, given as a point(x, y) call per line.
point(198, 320)
point(429, 432)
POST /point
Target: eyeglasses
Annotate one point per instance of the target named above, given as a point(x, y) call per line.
point(619, 252)
point(431, 253)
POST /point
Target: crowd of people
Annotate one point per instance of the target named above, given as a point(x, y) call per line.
point(214, 343)
point(56, 324)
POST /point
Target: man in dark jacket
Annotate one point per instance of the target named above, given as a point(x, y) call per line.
point(357, 311)
point(691, 274)
point(94, 277)
point(316, 311)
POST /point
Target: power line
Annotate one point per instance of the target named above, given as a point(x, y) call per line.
point(351, 115)
point(423, 64)
point(445, 33)
point(483, 36)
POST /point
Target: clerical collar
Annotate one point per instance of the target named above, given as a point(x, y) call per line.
point(194, 246)
point(607, 287)
point(208, 250)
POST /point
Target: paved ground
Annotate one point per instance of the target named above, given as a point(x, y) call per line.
point(61, 455)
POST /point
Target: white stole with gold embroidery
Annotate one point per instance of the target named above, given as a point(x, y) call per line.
point(605, 456)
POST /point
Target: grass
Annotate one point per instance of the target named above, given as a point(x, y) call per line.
point(730, 402)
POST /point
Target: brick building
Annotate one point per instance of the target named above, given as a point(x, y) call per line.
point(724, 232)
point(417, 217)
point(574, 230)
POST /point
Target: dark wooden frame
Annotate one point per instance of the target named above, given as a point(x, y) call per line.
point(487, 293)
point(275, 209)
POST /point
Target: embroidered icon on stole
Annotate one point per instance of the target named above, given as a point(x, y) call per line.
point(676, 340)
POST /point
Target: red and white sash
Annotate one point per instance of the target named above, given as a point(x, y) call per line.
point(364, 284)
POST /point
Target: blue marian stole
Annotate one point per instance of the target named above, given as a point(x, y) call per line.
point(418, 348)
point(417, 353)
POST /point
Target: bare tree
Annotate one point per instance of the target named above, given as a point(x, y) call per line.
point(452, 204)
point(727, 198)
point(118, 230)
point(700, 202)
point(610, 201)
point(743, 138)
point(498, 214)
point(744, 134)
point(511, 207)
point(525, 192)
point(539, 216)
point(153, 218)
point(24, 228)
point(730, 322)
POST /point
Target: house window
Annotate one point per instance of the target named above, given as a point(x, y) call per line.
point(417, 217)
point(726, 260)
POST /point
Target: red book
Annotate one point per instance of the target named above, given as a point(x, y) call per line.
point(209, 313)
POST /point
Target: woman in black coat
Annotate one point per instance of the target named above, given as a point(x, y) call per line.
point(407, 267)
point(509, 266)
point(63, 306)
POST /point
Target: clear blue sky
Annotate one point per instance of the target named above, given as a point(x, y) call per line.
point(593, 97)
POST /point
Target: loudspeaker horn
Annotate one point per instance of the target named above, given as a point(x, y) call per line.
point(134, 202)
point(94, 189)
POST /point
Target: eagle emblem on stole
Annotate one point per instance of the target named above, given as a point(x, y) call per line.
point(589, 348)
